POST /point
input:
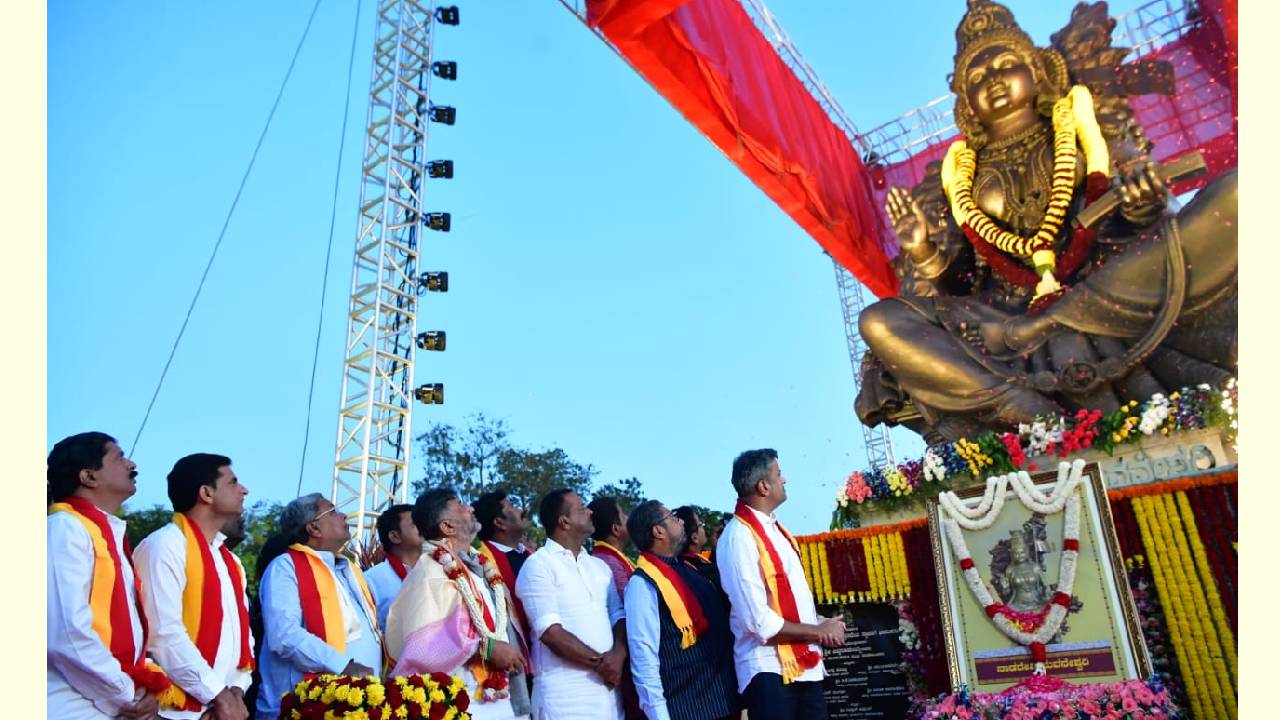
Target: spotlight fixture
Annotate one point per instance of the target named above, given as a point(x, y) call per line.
point(445, 69)
point(440, 169)
point(430, 394)
point(433, 282)
point(439, 221)
point(447, 15)
point(443, 114)
point(432, 340)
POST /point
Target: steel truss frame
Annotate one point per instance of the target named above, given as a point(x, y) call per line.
point(371, 463)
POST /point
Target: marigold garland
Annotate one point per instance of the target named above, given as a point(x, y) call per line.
point(327, 696)
point(1200, 562)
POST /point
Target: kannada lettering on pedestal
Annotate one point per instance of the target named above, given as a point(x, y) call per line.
point(864, 678)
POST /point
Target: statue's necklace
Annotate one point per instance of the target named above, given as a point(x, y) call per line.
point(1073, 121)
point(1039, 246)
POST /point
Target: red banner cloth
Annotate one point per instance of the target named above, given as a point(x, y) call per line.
point(712, 64)
point(1200, 115)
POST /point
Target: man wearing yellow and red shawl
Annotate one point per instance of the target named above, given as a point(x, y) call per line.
point(96, 633)
point(608, 538)
point(776, 628)
point(677, 626)
point(401, 548)
point(194, 590)
point(317, 613)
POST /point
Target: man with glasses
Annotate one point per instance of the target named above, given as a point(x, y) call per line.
point(317, 613)
point(677, 626)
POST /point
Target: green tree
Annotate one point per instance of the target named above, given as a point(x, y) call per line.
point(467, 460)
point(261, 520)
point(627, 491)
point(528, 475)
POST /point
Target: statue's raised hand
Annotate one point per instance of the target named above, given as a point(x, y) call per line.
point(909, 223)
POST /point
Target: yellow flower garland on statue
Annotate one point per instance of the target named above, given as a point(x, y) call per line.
point(1073, 119)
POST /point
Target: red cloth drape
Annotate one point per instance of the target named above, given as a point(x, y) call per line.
point(711, 63)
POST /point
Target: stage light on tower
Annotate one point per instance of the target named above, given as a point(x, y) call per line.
point(447, 15)
point(439, 221)
point(440, 169)
point(445, 69)
point(432, 340)
point(443, 114)
point(430, 394)
point(433, 282)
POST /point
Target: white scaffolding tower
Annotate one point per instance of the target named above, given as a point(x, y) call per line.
point(371, 467)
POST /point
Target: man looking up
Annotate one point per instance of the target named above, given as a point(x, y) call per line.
point(194, 591)
point(775, 652)
point(402, 546)
point(677, 626)
point(503, 526)
point(453, 614)
point(317, 613)
point(89, 675)
point(609, 536)
point(576, 619)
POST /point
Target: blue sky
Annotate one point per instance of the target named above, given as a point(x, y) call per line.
point(618, 288)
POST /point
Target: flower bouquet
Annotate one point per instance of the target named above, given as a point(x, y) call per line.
point(1045, 698)
point(415, 697)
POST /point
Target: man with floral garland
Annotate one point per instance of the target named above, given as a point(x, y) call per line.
point(453, 614)
point(194, 591)
point(776, 653)
point(90, 676)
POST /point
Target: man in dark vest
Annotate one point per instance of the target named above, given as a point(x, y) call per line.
point(677, 626)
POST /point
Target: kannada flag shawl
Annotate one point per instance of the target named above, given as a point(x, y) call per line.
point(600, 547)
point(397, 566)
point(109, 606)
point(318, 595)
point(686, 611)
point(202, 596)
point(794, 657)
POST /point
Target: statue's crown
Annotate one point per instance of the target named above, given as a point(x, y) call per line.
point(984, 24)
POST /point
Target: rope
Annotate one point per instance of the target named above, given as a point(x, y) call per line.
point(225, 223)
point(328, 253)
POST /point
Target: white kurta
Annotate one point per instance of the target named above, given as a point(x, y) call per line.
point(162, 562)
point(84, 681)
point(577, 593)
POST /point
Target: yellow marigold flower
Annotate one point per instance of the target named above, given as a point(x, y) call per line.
point(356, 715)
point(450, 714)
point(355, 696)
point(437, 696)
point(457, 685)
point(342, 692)
point(402, 712)
point(327, 696)
point(377, 694)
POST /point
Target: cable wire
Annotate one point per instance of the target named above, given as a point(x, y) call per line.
point(328, 253)
point(225, 223)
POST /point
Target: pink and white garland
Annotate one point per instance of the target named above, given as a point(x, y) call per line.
point(1032, 630)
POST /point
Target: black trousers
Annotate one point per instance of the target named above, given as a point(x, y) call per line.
point(766, 698)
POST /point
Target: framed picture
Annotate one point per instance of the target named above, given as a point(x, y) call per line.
point(1018, 557)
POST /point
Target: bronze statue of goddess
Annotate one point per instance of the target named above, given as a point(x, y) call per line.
point(1012, 312)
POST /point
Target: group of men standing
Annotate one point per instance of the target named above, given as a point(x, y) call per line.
point(554, 634)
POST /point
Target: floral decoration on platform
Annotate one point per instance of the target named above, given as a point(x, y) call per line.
point(415, 697)
point(906, 485)
point(1046, 698)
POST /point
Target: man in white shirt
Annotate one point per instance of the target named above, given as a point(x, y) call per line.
point(776, 655)
point(402, 546)
point(85, 680)
point(293, 617)
point(576, 618)
point(213, 664)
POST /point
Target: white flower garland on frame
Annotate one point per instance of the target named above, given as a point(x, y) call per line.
point(1062, 498)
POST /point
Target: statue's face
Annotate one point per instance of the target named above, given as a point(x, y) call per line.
point(1019, 552)
point(998, 82)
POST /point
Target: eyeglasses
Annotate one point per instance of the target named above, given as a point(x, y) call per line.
point(666, 517)
point(326, 512)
